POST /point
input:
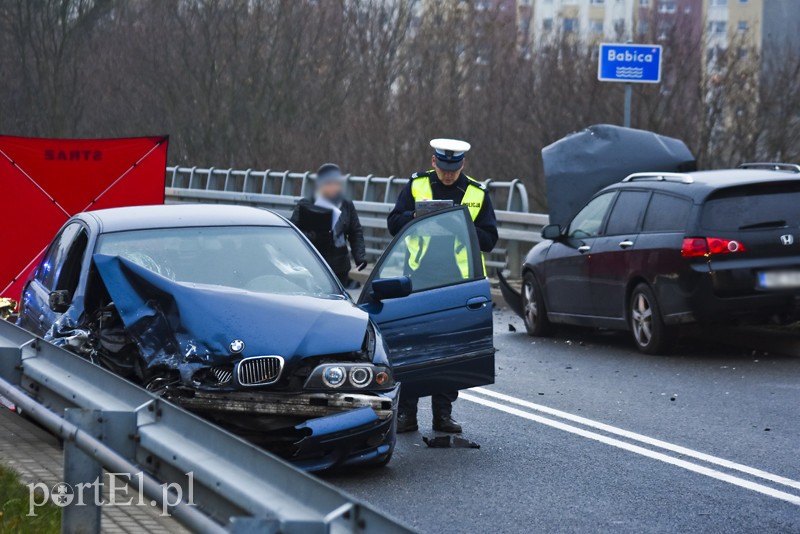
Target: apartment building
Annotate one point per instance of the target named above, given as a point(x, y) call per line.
point(587, 20)
point(752, 25)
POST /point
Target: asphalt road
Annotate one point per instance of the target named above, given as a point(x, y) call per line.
point(570, 443)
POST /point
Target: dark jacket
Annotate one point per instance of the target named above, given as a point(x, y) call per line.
point(348, 223)
point(485, 222)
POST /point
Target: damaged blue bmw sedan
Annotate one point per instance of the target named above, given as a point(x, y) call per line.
point(231, 313)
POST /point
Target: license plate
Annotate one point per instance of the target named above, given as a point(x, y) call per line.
point(779, 279)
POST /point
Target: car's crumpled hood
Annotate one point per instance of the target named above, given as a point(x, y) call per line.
point(176, 323)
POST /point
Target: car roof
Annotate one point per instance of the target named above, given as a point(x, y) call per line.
point(703, 183)
point(180, 215)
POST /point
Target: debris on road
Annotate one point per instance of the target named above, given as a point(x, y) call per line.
point(449, 442)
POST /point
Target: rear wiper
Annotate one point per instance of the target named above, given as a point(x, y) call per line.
point(765, 224)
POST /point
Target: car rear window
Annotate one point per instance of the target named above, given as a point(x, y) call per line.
point(762, 206)
point(666, 213)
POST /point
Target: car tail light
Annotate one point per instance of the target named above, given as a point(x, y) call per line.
point(700, 246)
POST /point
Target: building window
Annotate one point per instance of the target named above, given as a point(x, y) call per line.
point(717, 26)
point(547, 25)
point(598, 2)
point(596, 26)
point(644, 27)
point(644, 3)
point(667, 6)
point(742, 26)
point(570, 25)
point(742, 52)
point(719, 3)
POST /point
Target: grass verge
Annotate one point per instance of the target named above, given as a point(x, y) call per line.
point(14, 499)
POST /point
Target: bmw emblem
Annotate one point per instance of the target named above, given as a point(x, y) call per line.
point(236, 346)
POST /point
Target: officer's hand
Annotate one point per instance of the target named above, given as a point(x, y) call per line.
point(361, 266)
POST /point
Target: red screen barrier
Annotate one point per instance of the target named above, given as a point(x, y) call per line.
point(46, 181)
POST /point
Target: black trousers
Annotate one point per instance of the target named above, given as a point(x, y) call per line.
point(441, 404)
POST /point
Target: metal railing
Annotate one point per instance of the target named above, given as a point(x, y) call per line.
point(108, 422)
point(279, 191)
point(512, 196)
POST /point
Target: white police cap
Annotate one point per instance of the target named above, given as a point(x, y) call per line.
point(449, 153)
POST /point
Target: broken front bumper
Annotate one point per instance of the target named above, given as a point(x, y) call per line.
point(328, 429)
point(307, 405)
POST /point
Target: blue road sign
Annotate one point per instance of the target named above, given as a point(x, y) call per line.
point(629, 63)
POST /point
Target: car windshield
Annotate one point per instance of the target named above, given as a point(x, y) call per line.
point(262, 259)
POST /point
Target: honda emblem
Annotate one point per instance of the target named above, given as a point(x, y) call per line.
point(787, 239)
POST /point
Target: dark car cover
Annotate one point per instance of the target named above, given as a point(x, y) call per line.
point(581, 164)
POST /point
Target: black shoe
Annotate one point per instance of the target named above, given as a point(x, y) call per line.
point(406, 423)
point(445, 423)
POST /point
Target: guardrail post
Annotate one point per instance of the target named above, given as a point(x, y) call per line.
point(264, 181)
point(245, 181)
point(303, 184)
point(191, 177)
point(80, 513)
point(210, 177)
point(517, 190)
point(388, 196)
point(284, 182)
point(368, 195)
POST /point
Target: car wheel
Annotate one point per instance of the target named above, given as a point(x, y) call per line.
point(534, 311)
point(649, 331)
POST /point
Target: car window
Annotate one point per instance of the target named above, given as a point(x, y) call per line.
point(666, 213)
point(53, 259)
point(262, 259)
point(70, 272)
point(627, 212)
point(588, 221)
point(762, 206)
point(434, 252)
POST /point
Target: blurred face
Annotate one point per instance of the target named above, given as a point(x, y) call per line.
point(330, 190)
point(446, 177)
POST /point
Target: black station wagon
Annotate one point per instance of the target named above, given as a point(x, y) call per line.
point(660, 250)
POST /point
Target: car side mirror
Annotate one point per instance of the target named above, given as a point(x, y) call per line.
point(59, 301)
point(552, 232)
point(391, 288)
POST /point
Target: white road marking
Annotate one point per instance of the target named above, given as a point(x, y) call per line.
point(696, 468)
point(752, 471)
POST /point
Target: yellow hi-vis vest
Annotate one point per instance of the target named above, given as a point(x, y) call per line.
point(418, 245)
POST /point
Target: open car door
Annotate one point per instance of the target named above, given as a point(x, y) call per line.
point(440, 336)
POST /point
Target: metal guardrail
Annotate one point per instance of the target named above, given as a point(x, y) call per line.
point(279, 191)
point(513, 194)
point(108, 422)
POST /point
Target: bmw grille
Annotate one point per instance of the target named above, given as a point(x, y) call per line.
point(259, 370)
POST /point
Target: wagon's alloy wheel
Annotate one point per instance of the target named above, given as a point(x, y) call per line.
point(531, 308)
point(534, 313)
point(642, 320)
point(650, 333)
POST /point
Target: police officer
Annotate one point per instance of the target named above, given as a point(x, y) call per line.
point(446, 181)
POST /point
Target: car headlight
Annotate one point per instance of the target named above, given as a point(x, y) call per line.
point(334, 376)
point(362, 376)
